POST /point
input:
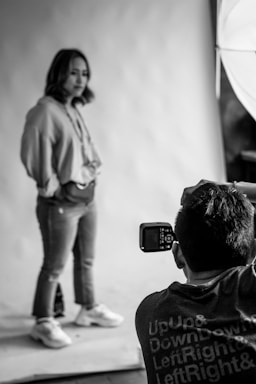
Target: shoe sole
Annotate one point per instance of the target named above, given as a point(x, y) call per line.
point(100, 323)
point(56, 345)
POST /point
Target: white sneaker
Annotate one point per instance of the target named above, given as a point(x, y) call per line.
point(99, 315)
point(49, 332)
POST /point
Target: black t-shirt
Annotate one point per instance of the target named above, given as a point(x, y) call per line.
point(201, 334)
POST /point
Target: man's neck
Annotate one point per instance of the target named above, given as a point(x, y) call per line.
point(197, 278)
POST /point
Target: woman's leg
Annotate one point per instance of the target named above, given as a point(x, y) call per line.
point(58, 225)
point(84, 252)
point(91, 313)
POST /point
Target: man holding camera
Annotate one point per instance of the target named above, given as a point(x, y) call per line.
point(204, 331)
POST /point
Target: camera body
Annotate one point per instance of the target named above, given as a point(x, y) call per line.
point(156, 237)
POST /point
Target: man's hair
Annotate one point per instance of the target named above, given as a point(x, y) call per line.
point(215, 228)
point(57, 75)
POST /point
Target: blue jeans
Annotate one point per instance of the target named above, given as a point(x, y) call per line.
point(65, 228)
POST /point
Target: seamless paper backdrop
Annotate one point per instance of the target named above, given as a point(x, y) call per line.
point(155, 123)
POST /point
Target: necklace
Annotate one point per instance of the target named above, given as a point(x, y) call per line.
point(82, 134)
point(75, 124)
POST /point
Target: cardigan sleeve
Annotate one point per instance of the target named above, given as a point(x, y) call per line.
point(37, 150)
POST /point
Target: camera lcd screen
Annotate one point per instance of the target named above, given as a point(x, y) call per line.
point(151, 237)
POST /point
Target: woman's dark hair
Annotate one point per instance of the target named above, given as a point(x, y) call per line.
point(57, 75)
point(215, 228)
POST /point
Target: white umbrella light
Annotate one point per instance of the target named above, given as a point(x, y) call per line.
point(236, 46)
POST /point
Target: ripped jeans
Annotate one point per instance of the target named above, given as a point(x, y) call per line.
point(65, 228)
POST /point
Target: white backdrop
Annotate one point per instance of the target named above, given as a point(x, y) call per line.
point(155, 122)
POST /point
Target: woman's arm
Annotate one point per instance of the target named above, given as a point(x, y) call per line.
point(37, 151)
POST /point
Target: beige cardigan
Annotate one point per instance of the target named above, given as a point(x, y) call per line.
point(52, 150)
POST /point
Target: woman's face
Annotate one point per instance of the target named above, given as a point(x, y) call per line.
point(77, 78)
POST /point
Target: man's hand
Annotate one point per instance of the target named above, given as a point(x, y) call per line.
point(189, 190)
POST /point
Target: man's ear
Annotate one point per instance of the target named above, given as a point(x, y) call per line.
point(178, 255)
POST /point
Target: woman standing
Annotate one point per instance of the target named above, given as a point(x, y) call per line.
point(58, 153)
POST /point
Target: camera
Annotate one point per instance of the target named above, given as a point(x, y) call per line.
point(156, 237)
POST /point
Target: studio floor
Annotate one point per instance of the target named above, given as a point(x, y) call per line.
point(134, 376)
point(94, 351)
point(131, 376)
point(96, 355)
